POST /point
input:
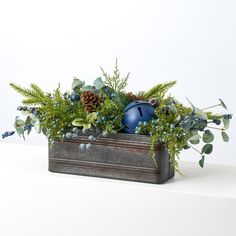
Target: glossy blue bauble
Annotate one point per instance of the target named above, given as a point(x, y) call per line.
point(135, 112)
point(74, 97)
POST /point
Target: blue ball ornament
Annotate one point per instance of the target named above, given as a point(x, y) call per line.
point(135, 112)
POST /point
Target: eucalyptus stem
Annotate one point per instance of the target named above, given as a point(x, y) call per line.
point(194, 149)
point(211, 107)
point(210, 127)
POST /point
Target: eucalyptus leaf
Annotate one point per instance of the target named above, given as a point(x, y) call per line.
point(208, 136)
point(226, 123)
point(207, 148)
point(88, 88)
point(172, 108)
point(77, 84)
point(98, 83)
point(225, 136)
point(195, 142)
point(194, 137)
point(19, 122)
point(201, 162)
point(223, 104)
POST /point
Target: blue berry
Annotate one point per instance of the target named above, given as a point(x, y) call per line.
point(7, 134)
point(91, 138)
point(69, 135)
point(88, 146)
point(74, 97)
point(75, 129)
point(82, 146)
point(104, 134)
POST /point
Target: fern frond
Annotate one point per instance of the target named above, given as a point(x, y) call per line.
point(37, 90)
point(159, 90)
point(32, 101)
point(33, 96)
point(23, 91)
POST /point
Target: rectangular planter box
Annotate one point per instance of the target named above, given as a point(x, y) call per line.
point(118, 156)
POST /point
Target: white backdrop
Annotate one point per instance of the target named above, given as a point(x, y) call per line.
point(193, 42)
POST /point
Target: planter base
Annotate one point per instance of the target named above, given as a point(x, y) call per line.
point(119, 156)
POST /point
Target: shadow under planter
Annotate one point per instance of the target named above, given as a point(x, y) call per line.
point(118, 156)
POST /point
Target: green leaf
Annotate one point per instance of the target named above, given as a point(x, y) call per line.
point(78, 122)
point(200, 113)
point(226, 123)
point(195, 142)
point(98, 83)
point(19, 122)
point(223, 104)
point(194, 137)
point(225, 136)
point(201, 162)
point(91, 117)
point(88, 88)
point(208, 136)
point(77, 84)
point(207, 148)
point(87, 126)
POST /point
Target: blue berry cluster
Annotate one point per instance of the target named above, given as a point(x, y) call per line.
point(28, 126)
point(193, 122)
point(32, 110)
point(144, 127)
point(7, 134)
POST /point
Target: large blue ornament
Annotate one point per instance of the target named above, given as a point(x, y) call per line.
point(135, 112)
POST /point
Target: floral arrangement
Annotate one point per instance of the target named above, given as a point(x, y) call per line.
point(106, 108)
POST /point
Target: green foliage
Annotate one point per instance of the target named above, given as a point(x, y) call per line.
point(207, 148)
point(86, 122)
point(225, 136)
point(159, 90)
point(177, 126)
point(114, 81)
point(109, 116)
point(33, 95)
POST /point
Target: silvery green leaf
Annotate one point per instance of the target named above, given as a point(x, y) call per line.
point(208, 136)
point(18, 123)
point(223, 104)
point(195, 137)
point(201, 162)
point(77, 83)
point(207, 148)
point(88, 88)
point(195, 142)
point(225, 136)
point(226, 123)
point(200, 113)
point(98, 83)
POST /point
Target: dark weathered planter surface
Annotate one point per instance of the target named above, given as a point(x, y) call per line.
point(119, 156)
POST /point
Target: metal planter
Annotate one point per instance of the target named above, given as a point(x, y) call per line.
point(118, 156)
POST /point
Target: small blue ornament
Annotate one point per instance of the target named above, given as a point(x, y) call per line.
point(74, 97)
point(135, 112)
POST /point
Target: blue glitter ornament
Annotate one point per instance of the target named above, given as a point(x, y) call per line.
point(135, 112)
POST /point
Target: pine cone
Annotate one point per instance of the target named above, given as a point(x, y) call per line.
point(90, 101)
point(132, 97)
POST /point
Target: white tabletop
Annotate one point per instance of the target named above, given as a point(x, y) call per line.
point(34, 201)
